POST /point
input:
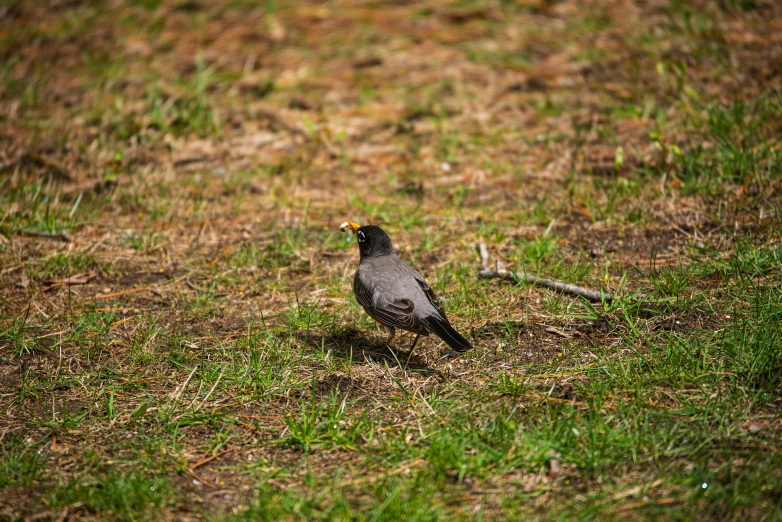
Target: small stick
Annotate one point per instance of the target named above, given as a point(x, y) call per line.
point(248, 426)
point(500, 272)
point(210, 391)
point(115, 294)
point(484, 253)
point(200, 479)
point(62, 235)
point(178, 392)
point(210, 458)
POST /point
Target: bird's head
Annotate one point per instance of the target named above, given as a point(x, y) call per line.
point(372, 240)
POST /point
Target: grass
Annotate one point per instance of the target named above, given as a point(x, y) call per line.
point(219, 368)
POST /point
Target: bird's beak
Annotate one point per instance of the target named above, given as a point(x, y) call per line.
point(349, 225)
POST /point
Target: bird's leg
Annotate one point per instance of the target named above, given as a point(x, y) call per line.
point(410, 353)
point(391, 334)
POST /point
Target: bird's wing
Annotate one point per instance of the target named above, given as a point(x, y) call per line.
point(397, 313)
point(430, 295)
point(440, 325)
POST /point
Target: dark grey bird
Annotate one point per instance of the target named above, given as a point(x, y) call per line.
point(395, 294)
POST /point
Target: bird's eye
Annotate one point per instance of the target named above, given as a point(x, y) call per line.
point(361, 237)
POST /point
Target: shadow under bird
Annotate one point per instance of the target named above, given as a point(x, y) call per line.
point(395, 294)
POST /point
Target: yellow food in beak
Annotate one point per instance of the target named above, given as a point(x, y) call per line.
point(349, 225)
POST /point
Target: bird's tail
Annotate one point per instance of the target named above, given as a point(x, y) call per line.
point(443, 329)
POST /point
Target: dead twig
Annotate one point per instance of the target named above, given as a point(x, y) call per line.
point(210, 391)
point(78, 279)
point(61, 236)
point(201, 479)
point(500, 272)
point(210, 458)
point(248, 426)
point(115, 294)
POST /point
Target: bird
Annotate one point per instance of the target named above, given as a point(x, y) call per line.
point(395, 294)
